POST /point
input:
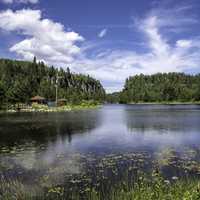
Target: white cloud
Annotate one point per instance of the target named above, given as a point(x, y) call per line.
point(50, 42)
point(102, 33)
point(184, 43)
point(162, 56)
point(45, 39)
point(19, 1)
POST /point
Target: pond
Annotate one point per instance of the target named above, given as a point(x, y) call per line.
point(93, 148)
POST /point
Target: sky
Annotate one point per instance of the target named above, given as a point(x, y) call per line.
point(107, 39)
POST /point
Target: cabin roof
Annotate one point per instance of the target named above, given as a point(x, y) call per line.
point(62, 99)
point(37, 98)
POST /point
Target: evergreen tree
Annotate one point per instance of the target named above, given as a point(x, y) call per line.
point(161, 87)
point(19, 81)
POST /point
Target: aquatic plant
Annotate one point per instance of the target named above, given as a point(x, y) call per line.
point(114, 176)
point(145, 188)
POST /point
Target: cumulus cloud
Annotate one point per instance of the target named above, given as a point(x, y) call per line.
point(184, 43)
point(163, 53)
point(19, 1)
point(44, 38)
point(102, 33)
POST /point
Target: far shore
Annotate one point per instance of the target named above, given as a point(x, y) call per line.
point(164, 103)
point(68, 108)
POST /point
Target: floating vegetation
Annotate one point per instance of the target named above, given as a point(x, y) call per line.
point(125, 175)
point(166, 157)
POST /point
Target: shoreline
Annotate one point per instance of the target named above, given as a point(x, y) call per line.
point(53, 110)
point(89, 107)
point(164, 103)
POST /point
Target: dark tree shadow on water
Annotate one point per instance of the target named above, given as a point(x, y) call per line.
point(45, 127)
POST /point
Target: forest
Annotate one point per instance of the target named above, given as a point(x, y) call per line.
point(21, 80)
point(161, 87)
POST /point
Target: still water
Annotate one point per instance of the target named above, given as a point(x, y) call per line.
point(85, 147)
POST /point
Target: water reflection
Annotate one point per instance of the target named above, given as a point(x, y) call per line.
point(42, 128)
point(163, 119)
point(82, 148)
point(173, 125)
point(40, 142)
point(112, 129)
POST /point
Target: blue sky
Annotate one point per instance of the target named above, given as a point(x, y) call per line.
point(108, 39)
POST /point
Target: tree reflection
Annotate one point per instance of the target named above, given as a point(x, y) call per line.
point(45, 127)
point(162, 119)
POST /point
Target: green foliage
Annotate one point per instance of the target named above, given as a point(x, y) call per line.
point(159, 87)
point(113, 98)
point(146, 188)
point(158, 188)
point(39, 106)
point(19, 81)
point(2, 94)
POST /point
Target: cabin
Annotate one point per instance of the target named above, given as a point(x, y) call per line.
point(62, 102)
point(38, 99)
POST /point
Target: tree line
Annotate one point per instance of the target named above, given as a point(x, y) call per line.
point(21, 80)
point(161, 87)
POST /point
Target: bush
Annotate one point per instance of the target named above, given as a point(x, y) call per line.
point(37, 106)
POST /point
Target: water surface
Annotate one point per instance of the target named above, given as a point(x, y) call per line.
point(85, 147)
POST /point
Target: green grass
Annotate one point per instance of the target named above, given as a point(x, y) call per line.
point(65, 108)
point(159, 190)
point(146, 188)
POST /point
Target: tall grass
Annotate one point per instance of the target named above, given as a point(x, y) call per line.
point(146, 188)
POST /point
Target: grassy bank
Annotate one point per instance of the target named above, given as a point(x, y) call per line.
point(65, 108)
point(154, 190)
point(151, 188)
